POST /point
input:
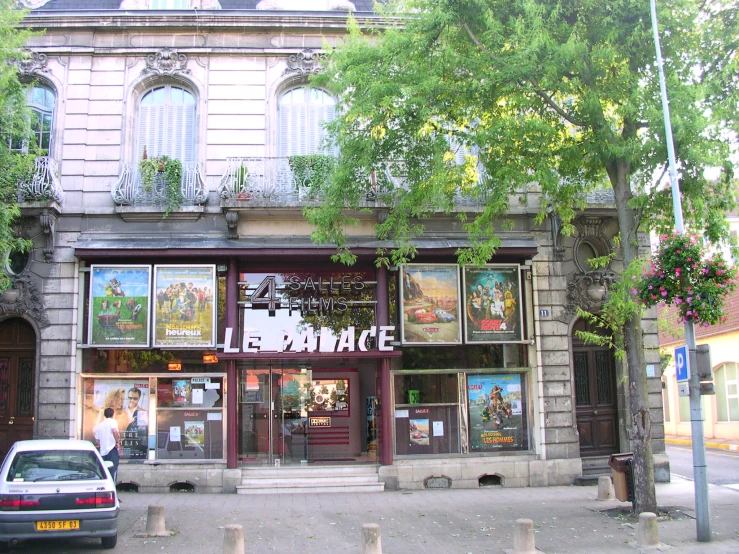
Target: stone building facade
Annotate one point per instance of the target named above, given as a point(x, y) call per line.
point(220, 86)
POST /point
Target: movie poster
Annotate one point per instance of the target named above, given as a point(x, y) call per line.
point(419, 432)
point(129, 399)
point(497, 412)
point(119, 306)
point(429, 304)
point(184, 306)
point(492, 300)
point(195, 432)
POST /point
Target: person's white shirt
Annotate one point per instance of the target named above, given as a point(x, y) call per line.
point(104, 435)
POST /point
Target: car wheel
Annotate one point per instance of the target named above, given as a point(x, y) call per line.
point(110, 542)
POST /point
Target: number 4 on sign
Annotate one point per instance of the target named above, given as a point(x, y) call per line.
point(265, 296)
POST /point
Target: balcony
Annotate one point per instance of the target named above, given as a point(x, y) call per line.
point(129, 190)
point(44, 184)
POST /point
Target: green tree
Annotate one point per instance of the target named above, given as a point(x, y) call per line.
point(555, 97)
point(14, 129)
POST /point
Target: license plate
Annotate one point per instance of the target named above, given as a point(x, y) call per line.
point(58, 525)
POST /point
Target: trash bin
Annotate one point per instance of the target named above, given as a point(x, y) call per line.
point(623, 480)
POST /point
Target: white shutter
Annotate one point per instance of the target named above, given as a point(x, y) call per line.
point(283, 138)
point(188, 135)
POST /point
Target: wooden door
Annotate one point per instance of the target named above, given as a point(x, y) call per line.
point(17, 372)
point(596, 401)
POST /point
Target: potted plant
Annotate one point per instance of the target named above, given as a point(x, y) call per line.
point(682, 272)
point(168, 172)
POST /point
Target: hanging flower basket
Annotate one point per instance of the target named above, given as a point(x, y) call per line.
point(684, 274)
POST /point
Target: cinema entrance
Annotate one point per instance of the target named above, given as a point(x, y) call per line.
point(296, 413)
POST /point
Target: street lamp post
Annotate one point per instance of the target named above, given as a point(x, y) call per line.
point(702, 509)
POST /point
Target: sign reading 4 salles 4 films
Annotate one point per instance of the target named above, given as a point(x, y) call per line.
point(184, 306)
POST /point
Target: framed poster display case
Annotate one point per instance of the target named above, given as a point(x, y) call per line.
point(430, 304)
point(492, 304)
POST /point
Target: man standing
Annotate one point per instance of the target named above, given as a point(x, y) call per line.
point(108, 440)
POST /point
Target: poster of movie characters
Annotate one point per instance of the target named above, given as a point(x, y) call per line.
point(429, 304)
point(184, 306)
point(492, 299)
point(129, 399)
point(119, 306)
point(496, 412)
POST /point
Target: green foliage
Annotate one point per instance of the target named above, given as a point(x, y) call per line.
point(14, 167)
point(618, 308)
point(169, 170)
point(313, 171)
point(682, 272)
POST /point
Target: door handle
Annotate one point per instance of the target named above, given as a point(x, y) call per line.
point(595, 412)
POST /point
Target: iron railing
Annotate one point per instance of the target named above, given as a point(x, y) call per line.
point(129, 190)
point(44, 183)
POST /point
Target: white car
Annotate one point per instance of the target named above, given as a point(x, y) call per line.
point(55, 489)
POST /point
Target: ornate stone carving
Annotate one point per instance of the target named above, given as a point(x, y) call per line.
point(341, 6)
point(24, 298)
point(304, 63)
point(556, 226)
point(588, 290)
point(232, 221)
point(48, 220)
point(34, 4)
point(166, 62)
point(32, 65)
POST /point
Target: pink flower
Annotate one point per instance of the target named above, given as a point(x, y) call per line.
point(688, 313)
point(689, 259)
point(634, 291)
point(633, 277)
point(664, 293)
point(689, 299)
point(650, 287)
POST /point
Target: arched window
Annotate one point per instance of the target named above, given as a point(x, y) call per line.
point(302, 113)
point(726, 382)
point(166, 124)
point(41, 100)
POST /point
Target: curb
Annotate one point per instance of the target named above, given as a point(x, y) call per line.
point(707, 444)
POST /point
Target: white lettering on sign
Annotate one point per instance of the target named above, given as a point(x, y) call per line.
point(307, 341)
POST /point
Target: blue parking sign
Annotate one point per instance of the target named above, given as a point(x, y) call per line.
point(682, 364)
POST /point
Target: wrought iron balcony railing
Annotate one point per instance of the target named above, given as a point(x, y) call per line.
point(278, 181)
point(129, 190)
point(44, 183)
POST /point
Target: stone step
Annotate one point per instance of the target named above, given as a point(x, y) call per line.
point(286, 481)
point(310, 471)
point(375, 487)
point(309, 479)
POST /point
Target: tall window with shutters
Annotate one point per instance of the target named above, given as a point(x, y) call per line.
point(302, 114)
point(166, 124)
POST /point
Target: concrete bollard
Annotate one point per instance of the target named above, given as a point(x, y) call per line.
point(648, 533)
point(371, 539)
point(523, 537)
point(605, 488)
point(233, 540)
point(155, 521)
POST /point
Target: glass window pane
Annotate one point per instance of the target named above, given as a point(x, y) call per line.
point(38, 96)
point(177, 95)
point(730, 372)
point(734, 409)
point(732, 390)
point(426, 389)
point(722, 412)
point(155, 96)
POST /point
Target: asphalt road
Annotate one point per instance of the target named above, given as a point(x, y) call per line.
point(723, 465)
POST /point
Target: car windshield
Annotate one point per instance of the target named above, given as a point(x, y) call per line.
point(56, 465)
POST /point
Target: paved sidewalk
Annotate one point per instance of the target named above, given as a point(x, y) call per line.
point(566, 520)
point(722, 444)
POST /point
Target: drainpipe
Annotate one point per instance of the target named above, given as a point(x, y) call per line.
point(541, 416)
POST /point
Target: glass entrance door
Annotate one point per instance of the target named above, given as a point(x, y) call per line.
point(272, 415)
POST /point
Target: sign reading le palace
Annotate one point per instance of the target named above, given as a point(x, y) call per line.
point(281, 313)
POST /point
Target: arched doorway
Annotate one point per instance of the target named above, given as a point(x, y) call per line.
point(596, 398)
point(17, 380)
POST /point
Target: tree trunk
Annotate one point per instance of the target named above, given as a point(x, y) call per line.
point(645, 499)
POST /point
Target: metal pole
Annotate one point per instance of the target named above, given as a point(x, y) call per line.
point(700, 480)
